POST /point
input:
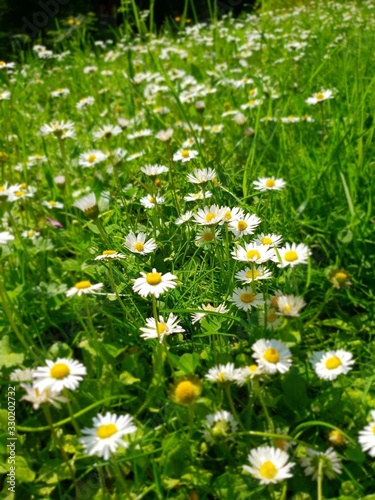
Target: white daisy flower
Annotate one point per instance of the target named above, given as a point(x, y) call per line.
point(60, 92)
point(245, 299)
point(321, 96)
point(233, 214)
point(52, 204)
point(138, 244)
point(291, 255)
point(184, 218)
point(331, 463)
point(201, 176)
point(221, 373)
point(221, 308)
point(207, 235)
point(59, 374)
point(244, 225)
point(220, 425)
point(164, 135)
point(273, 240)
point(107, 131)
point(367, 437)
point(151, 201)
point(91, 158)
point(139, 134)
point(85, 102)
point(269, 184)
point(251, 252)
point(110, 255)
point(38, 397)
point(290, 119)
point(209, 216)
point(5, 95)
point(271, 320)
point(250, 274)
point(30, 234)
point(107, 434)
point(151, 331)
point(88, 205)
point(61, 130)
point(154, 283)
point(272, 355)
point(290, 305)
point(269, 464)
point(247, 373)
point(22, 375)
point(83, 287)
point(185, 155)
point(198, 196)
point(329, 365)
point(5, 236)
point(154, 170)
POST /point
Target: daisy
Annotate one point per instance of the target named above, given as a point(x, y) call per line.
point(269, 184)
point(337, 438)
point(107, 434)
point(290, 305)
point(154, 283)
point(139, 134)
point(272, 355)
point(291, 255)
point(244, 225)
point(201, 176)
point(59, 374)
point(331, 463)
point(88, 205)
point(321, 96)
point(221, 308)
point(85, 102)
point(186, 391)
point(37, 397)
point(5, 236)
point(83, 287)
point(209, 216)
point(233, 214)
point(61, 130)
point(250, 274)
point(329, 365)
point(154, 170)
point(221, 373)
point(184, 218)
point(110, 255)
point(245, 299)
point(52, 204)
point(185, 155)
point(21, 193)
point(251, 252)
point(22, 375)
point(220, 425)
point(247, 373)
point(367, 437)
point(269, 239)
point(151, 201)
point(151, 331)
point(339, 278)
point(60, 92)
point(138, 244)
point(198, 196)
point(207, 235)
point(269, 464)
point(165, 135)
point(91, 158)
point(5, 95)
point(107, 131)
point(271, 320)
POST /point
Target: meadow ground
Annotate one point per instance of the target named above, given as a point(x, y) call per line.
point(187, 260)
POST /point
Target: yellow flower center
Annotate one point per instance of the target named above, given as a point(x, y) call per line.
point(19, 193)
point(228, 215)
point(266, 241)
point(23, 186)
point(290, 256)
point(253, 368)
point(271, 317)
point(186, 392)
point(268, 470)
point(59, 371)
point(81, 285)
point(253, 254)
point(333, 362)
point(341, 276)
point(162, 327)
point(153, 278)
point(109, 252)
point(373, 429)
point(287, 308)
point(151, 199)
point(139, 246)
point(30, 234)
point(2, 188)
point(210, 216)
point(185, 153)
point(270, 183)
point(274, 301)
point(242, 225)
point(52, 203)
point(91, 158)
point(106, 431)
point(247, 297)
point(221, 377)
point(336, 437)
point(271, 355)
point(251, 274)
point(319, 96)
point(208, 237)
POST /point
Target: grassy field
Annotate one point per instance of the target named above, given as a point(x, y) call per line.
point(187, 259)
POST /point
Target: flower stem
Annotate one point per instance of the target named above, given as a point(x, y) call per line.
point(320, 479)
point(232, 407)
point(263, 404)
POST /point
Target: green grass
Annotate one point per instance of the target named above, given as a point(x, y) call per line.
point(327, 204)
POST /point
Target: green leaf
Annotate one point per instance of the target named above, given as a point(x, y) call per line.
point(355, 454)
point(128, 379)
point(295, 393)
point(7, 357)
point(24, 473)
